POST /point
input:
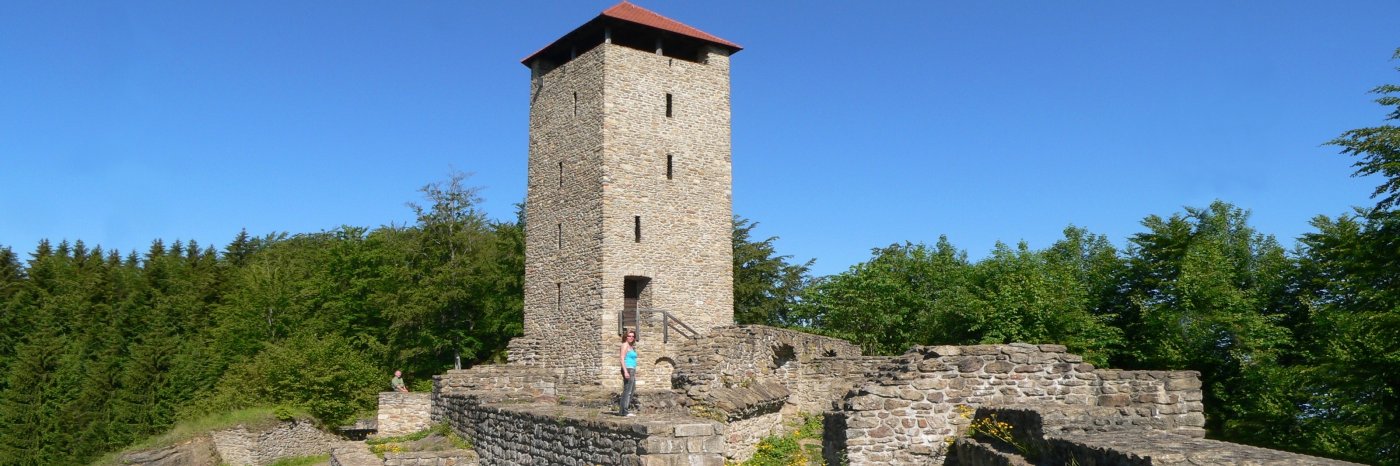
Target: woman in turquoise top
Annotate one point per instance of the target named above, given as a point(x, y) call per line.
point(627, 356)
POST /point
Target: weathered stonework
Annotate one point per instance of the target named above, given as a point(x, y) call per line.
point(812, 370)
point(911, 409)
point(242, 446)
point(198, 451)
point(629, 177)
point(538, 433)
point(403, 413)
point(907, 413)
point(1050, 434)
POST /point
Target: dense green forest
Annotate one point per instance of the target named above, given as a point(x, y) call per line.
point(1299, 347)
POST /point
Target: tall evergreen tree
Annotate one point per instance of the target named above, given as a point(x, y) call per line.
point(1352, 288)
point(766, 285)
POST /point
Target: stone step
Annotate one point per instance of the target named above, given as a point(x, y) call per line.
point(972, 452)
point(354, 454)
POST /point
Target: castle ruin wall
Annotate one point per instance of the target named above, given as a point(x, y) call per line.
point(921, 400)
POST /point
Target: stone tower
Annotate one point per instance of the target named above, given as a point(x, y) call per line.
point(628, 203)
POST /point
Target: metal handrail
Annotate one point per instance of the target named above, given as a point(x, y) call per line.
point(668, 322)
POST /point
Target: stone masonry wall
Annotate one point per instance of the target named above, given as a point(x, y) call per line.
point(563, 228)
point(537, 433)
point(685, 247)
point(815, 370)
point(455, 389)
point(599, 145)
point(404, 413)
point(741, 436)
point(241, 446)
point(918, 401)
point(1106, 436)
point(755, 375)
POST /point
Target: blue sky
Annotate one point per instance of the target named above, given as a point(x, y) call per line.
point(856, 124)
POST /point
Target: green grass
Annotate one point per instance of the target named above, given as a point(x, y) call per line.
point(253, 418)
point(382, 445)
point(788, 449)
point(303, 460)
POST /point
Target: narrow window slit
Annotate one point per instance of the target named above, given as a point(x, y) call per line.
point(559, 235)
point(669, 163)
point(668, 105)
point(637, 229)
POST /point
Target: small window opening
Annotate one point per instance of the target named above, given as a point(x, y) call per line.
point(670, 160)
point(558, 296)
point(668, 105)
point(637, 229)
point(561, 174)
point(575, 104)
point(559, 235)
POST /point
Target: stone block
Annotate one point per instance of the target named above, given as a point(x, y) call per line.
point(691, 430)
point(929, 384)
point(1183, 383)
point(896, 403)
point(660, 445)
point(1115, 400)
point(865, 403)
point(932, 365)
point(981, 350)
point(998, 367)
point(945, 350)
point(704, 460)
point(714, 445)
point(659, 460)
point(1019, 348)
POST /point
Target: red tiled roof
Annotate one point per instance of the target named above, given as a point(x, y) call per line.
point(626, 11)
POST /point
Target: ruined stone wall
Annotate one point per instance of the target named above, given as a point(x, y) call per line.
point(920, 400)
point(242, 446)
point(814, 370)
point(454, 390)
point(538, 433)
point(1108, 436)
point(685, 244)
point(757, 377)
point(403, 413)
point(826, 380)
point(563, 229)
point(741, 437)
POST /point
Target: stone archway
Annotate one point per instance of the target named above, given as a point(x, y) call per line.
point(663, 368)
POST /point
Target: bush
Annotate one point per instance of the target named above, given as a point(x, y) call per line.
point(323, 375)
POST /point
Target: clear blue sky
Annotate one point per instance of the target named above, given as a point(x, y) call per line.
point(856, 124)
